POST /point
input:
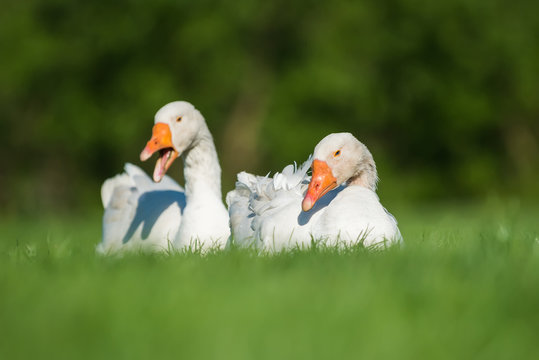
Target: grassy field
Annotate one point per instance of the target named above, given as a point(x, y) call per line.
point(466, 285)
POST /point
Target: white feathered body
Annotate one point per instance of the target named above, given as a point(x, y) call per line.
point(143, 215)
point(266, 213)
point(356, 215)
point(139, 213)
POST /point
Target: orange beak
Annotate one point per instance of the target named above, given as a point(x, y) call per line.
point(322, 181)
point(161, 141)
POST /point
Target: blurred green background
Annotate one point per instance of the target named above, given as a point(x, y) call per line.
point(445, 94)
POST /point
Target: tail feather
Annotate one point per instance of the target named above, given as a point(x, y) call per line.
point(107, 189)
point(144, 183)
point(256, 196)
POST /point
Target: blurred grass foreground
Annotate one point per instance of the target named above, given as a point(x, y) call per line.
point(444, 94)
point(463, 287)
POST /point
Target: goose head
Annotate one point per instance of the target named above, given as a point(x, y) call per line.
point(177, 125)
point(339, 159)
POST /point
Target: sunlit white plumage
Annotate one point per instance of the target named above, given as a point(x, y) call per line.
point(140, 214)
point(156, 216)
point(260, 208)
point(267, 212)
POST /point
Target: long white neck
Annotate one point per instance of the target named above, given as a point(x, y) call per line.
point(201, 167)
point(204, 221)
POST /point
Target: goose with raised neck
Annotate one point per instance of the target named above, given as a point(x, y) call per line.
point(160, 215)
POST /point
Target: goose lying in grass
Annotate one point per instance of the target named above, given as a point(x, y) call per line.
point(338, 205)
point(141, 214)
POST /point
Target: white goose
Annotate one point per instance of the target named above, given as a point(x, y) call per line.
point(338, 205)
point(141, 214)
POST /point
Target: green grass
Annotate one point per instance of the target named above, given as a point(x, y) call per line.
point(466, 285)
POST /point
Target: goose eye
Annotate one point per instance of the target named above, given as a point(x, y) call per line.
point(178, 119)
point(337, 153)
